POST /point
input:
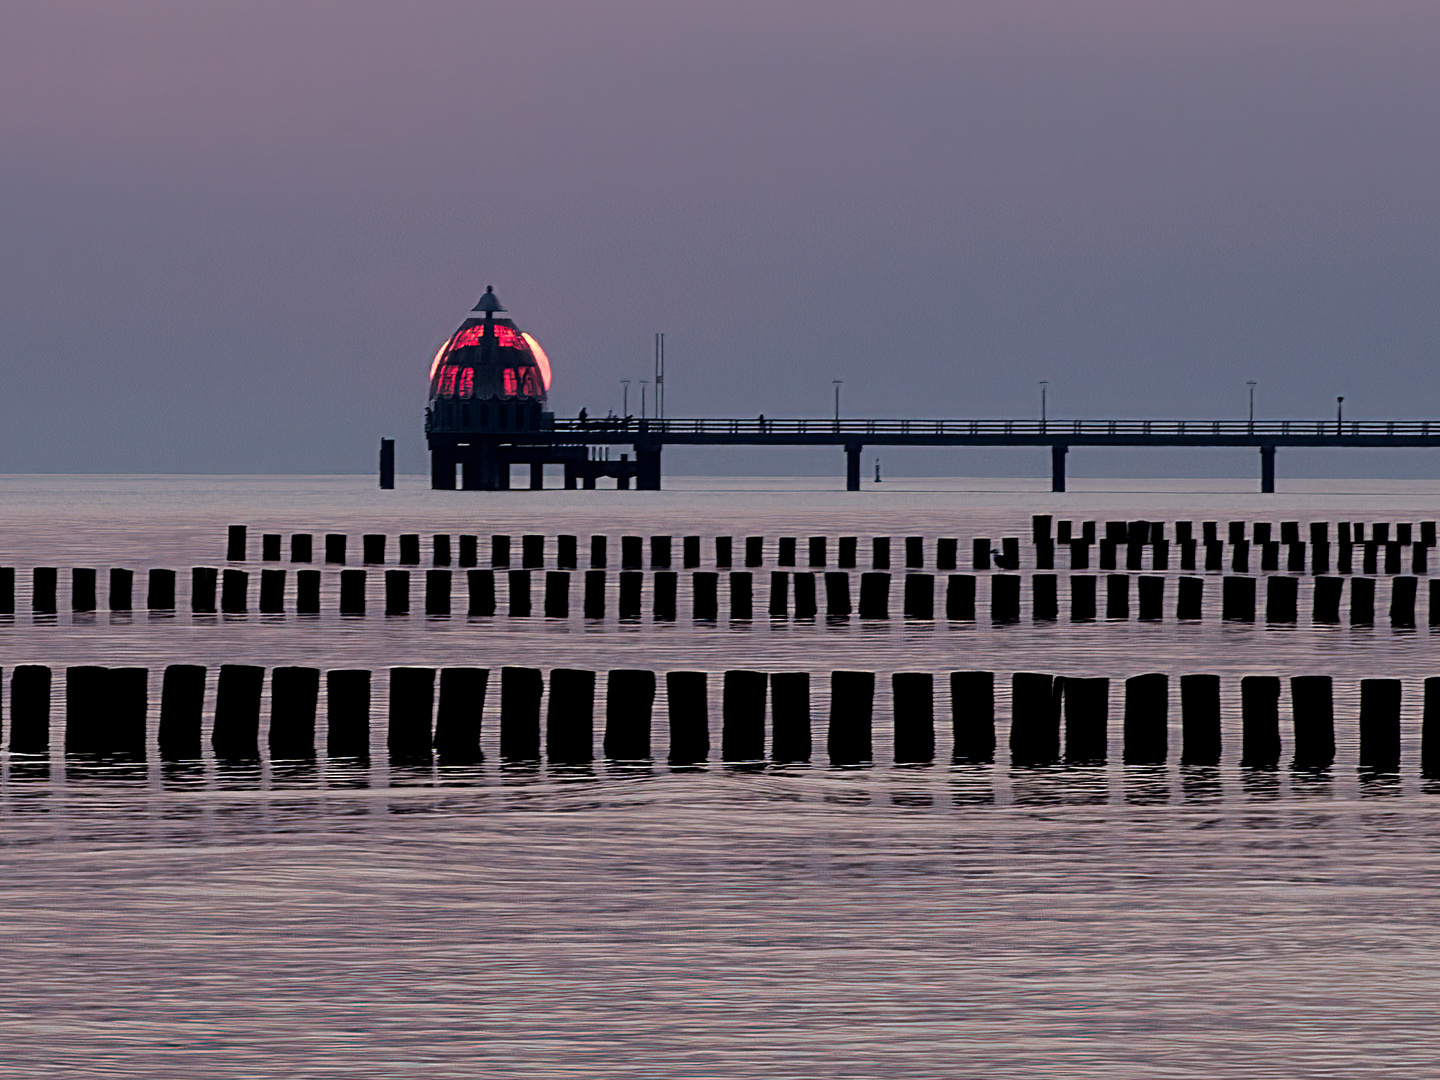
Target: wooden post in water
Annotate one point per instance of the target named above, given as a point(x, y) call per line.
point(567, 552)
point(629, 703)
point(236, 735)
point(805, 601)
point(1260, 722)
point(409, 549)
point(30, 709)
point(412, 708)
point(86, 708)
point(837, 594)
point(1430, 723)
point(972, 716)
point(235, 544)
point(480, 586)
point(43, 587)
point(1362, 601)
point(460, 714)
point(122, 586)
point(631, 582)
point(1200, 737)
point(960, 598)
point(1402, 603)
point(1313, 711)
point(520, 692)
point(519, 583)
point(1147, 719)
point(688, 709)
point(1005, 598)
point(294, 698)
point(1087, 719)
point(1380, 725)
point(182, 702)
point(1151, 592)
point(790, 739)
point(741, 596)
point(913, 693)
point(235, 591)
point(920, 597)
point(397, 592)
point(570, 717)
point(594, 594)
point(272, 592)
point(347, 694)
point(1034, 719)
point(1282, 599)
point(352, 592)
point(742, 716)
point(779, 594)
point(852, 705)
point(557, 594)
point(82, 589)
point(160, 590)
point(437, 592)
point(302, 547)
point(1045, 598)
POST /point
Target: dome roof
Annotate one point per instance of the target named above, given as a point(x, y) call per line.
point(489, 358)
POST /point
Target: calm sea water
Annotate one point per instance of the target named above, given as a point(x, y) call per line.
point(638, 921)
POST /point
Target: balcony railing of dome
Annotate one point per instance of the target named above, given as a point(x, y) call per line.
point(758, 426)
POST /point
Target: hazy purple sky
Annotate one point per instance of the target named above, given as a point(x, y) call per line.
point(234, 233)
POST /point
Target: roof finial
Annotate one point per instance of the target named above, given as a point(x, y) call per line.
point(489, 302)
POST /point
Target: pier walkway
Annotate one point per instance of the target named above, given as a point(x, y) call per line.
point(574, 442)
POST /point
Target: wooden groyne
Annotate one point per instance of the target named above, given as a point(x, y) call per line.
point(742, 596)
point(764, 717)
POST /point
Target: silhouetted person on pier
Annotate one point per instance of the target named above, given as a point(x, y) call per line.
point(762, 423)
point(584, 419)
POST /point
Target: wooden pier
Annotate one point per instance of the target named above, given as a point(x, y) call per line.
point(582, 446)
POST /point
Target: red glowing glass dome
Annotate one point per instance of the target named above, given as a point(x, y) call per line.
point(489, 359)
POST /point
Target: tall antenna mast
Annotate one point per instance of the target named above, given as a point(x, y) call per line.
point(660, 376)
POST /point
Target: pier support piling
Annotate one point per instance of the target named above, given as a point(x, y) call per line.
point(1057, 467)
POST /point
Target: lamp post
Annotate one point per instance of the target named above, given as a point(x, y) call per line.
point(1044, 385)
point(1339, 413)
point(642, 398)
point(624, 398)
point(836, 383)
point(1251, 384)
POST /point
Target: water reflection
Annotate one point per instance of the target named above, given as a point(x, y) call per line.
point(1147, 785)
point(1260, 785)
point(1200, 784)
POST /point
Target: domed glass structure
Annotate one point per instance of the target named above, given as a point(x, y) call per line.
point(488, 384)
point(488, 376)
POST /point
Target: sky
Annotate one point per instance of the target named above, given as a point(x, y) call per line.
point(234, 234)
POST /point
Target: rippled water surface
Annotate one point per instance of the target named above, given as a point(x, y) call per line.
point(634, 920)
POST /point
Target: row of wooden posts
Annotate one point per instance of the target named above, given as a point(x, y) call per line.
point(439, 714)
point(792, 595)
point(1135, 545)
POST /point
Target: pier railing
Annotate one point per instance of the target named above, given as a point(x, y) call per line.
point(860, 428)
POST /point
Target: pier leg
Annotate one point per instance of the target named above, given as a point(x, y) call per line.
point(1057, 467)
point(537, 476)
point(1267, 470)
point(647, 468)
point(442, 468)
point(852, 466)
